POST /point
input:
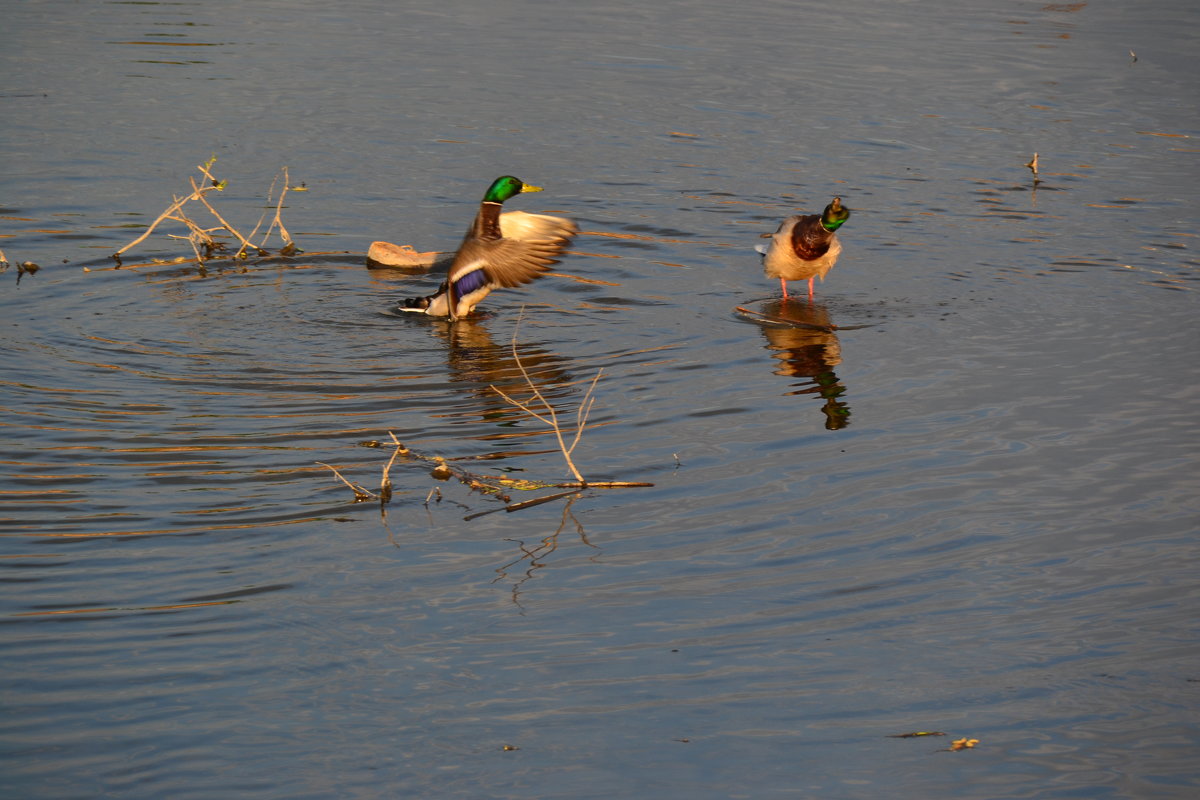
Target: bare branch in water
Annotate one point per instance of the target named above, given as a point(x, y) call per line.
point(551, 416)
point(360, 494)
point(174, 207)
point(499, 486)
point(200, 239)
point(277, 222)
point(245, 244)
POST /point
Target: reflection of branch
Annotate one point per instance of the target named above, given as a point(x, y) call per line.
point(548, 545)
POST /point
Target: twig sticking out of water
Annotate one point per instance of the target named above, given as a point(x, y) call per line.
point(201, 239)
point(173, 209)
point(289, 246)
point(497, 486)
point(1033, 167)
point(550, 416)
point(500, 486)
point(361, 495)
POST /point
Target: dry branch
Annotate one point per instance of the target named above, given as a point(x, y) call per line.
point(200, 238)
point(360, 494)
point(499, 486)
point(551, 416)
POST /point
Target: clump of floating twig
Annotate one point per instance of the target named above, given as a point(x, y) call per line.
point(23, 267)
point(500, 486)
point(443, 469)
point(204, 244)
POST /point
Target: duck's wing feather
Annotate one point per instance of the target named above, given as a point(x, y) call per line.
point(528, 245)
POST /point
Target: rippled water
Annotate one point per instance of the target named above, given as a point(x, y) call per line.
point(957, 493)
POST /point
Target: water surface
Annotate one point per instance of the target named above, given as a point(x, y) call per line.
point(969, 508)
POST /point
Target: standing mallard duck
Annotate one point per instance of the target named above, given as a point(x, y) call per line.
point(805, 247)
point(506, 249)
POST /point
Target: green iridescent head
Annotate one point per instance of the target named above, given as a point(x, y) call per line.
point(507, 186)
point(835, 214)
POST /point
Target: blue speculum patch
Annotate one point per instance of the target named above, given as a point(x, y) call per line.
point(468, 283)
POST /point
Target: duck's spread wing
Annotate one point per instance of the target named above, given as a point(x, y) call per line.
point(529, 244)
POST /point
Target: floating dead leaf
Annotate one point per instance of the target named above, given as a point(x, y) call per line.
point(962, 744)
point(684, 135)
point(510, 747)
point(912, 734)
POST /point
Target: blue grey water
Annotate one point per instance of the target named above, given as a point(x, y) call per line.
point(971, 508)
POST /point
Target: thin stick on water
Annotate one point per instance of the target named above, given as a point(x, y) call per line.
point(360, 494)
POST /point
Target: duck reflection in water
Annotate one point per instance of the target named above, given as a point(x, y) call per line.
point(804, 341)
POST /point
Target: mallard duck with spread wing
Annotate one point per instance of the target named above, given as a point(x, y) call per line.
point(499, 250)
